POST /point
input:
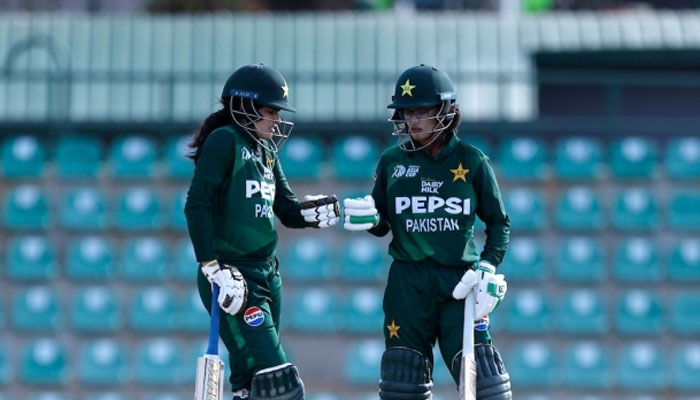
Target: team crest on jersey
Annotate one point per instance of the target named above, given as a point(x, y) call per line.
point(254, 316)
point(430, 186)
point(270, 162)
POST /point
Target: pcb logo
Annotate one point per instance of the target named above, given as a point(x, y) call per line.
point(254, 316)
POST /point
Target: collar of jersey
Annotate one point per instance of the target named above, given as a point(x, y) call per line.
point(449, 147)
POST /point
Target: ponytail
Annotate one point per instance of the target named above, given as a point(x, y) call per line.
point(214, 120)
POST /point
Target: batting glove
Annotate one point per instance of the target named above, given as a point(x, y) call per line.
point(233, 290)
point(490, 288)
point(360, 214)
point(320, 211)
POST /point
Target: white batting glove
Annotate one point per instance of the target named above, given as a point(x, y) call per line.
point(320, 211)
point(360, 214)
point(490, 288)
point(233, 290)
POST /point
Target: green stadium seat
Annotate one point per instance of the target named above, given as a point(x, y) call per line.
point(133, 157)
point(684, 213)
point(587, 366)
point(637, 260)
point(138, 209)
point(685, 313)
point(177, 220)
point(152, 310)
point(362, 362)
point(315, 309)
point(185, 263)
point(632, 157)
point(90, 257)
point(157, 362)
point(22, 157)
point(26, 207)
point(145, 259)
point(363, 260)
point(193, 315)
point(580, 259)
point(529, 312)
point(635, 209)
point(686, 367)
point(525, 261)
point(685, 261)
point(532, 364)
point(95, 309)
point(84, 208)
point(683, 158)
point(177, 164)
point(579, 208)
point(308, 259)
point(6, 370)
point(44, 362)
point(102, 362)
point(583, 312)
point(641, 366)
point(31, 258)
point(526, 208)
point(578, 158)
point(639, 312)
point(301, 157)
point(355, 157)
point(36, 309)
point(523, 158)
point(78, 156)
point(363, 311)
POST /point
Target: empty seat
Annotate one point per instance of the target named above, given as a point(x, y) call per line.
point(363, 259)
point(525, 261)
point(178, 165)
point(184, 262)
point(583, 312)
point(78, 156)
point(641, 367)
point(683, 158)
point(522, 158)
point(362, 311)
point(36, 309)
point(635, 209)
point(637, 260)
point(315, 310)
point(157, 362)
point(526, 208)
point(532, 364)
point(684, 213)
point(639, 312)
point(193, 315)
point(138, 209)
point(133, 157)
point(308, 259)
point(685, 313)
point(31, 258)
point(102, 362)
point(579, 208)
point(529, 311)
point(177, 219)
point(301, 157)
point(355, 157)
point(578, 158)
point(580, 259)
point(685, 261)
point(632, 157)
point(145, 259)
point(22, 157)
point(152, 310)
point(90, 257)
point(84, 208)
point(362, 362)
point(95, 309)
point(44, 361)
point(26, 207)
point(587, 366)
point(686, 367)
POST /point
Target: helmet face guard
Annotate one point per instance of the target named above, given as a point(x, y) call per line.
point(402, 127)
point(245, 114)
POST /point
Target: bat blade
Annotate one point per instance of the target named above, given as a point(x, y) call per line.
point(467, 374)
point(209, 379)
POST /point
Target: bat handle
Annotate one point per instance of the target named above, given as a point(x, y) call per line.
point(213, 347)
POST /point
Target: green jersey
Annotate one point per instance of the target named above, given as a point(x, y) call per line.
point(237, 189)
point(430, 202)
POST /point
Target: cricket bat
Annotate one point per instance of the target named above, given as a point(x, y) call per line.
point(209, 380)
point(467, 375)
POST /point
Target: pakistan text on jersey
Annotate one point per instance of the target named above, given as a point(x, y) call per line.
point(432, 225)
point(431, 204)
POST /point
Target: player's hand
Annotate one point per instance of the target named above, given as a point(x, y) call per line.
point(360, 214)
point(490, 288)
point(320, 211)
point(233, 290)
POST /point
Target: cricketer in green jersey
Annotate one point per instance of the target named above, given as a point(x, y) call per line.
point(237, 189)
point(428, 191)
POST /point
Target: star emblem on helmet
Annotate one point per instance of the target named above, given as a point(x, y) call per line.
point(407, 88)
point(285, 90)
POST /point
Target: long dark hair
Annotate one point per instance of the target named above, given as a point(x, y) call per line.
point(214, 120)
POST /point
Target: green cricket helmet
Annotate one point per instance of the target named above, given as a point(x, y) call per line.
point(431, 95)
point(252, 87)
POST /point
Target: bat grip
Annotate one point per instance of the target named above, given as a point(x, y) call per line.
point(213, 347)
